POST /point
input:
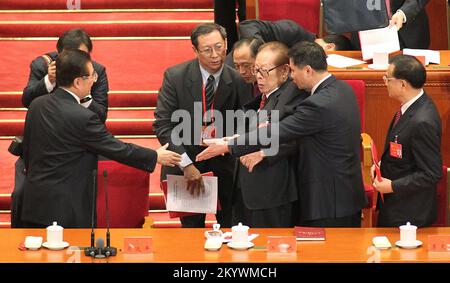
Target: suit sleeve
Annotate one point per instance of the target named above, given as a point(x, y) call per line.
point(99, 94)
point(426, 144)
point(98, 140)
point(286, 150)
point(412, 8)
point(307, 120)
point(166, 105)
point(36, 84)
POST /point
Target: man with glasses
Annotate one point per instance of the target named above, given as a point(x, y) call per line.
point(61, 142)
point(266, 189)
point(215, 87)
point(327, 129)
point(411, 162)
point(42, 78)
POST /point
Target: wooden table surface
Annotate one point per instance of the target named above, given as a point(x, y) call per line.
point(173, 245)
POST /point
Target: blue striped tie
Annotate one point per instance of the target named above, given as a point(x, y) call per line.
point(209, 90)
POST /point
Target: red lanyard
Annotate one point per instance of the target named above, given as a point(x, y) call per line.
point(204, 103)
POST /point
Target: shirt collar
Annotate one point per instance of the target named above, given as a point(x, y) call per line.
point(410, 102)
point(73, 94)
point(267, 95)
point(318, 84)
point(206, 74)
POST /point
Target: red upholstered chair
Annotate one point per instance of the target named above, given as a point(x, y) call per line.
point(128, 190)
point(443, 218)
point(359, 88)
point(304, 12)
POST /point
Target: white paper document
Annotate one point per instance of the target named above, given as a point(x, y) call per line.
point(431, 56)
point(179, 199)
point(340, 61)
point(379, 40)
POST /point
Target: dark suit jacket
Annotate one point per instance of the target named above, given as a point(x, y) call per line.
point(272, 182)
point(414, 176)
point(182, 86)
point(36, 86)
point(415, 33)
point(61, 143)
point(285, 31)
point(326, 126)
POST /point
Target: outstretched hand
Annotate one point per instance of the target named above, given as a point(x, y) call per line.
point(167, 157)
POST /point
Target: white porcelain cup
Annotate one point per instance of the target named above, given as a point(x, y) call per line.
point(239, 234)
point(380, 58)
point(408, 233)
point(54, 234)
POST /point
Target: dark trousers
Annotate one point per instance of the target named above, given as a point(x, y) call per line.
point(282, 216)
point(225, 15)
point(17, 194)
point(26, 224)
point(347, 221)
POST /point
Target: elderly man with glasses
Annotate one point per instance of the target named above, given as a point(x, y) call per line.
point(207, 82)
point(266, 187)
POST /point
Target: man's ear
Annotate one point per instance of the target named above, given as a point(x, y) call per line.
point(194, 49)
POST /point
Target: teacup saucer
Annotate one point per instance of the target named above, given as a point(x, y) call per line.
point(240, 246)
point(55, 247)
point(378, 67)
point(409, 245)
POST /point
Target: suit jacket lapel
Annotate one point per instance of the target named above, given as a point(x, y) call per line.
point(194, 82)
point(224, 89)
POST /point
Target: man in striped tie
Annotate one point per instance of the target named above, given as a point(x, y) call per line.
point(204, 81)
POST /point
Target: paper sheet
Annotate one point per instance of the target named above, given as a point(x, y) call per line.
point(340, 61)
point(179, 199)
point(379, 40)
point(431, 56)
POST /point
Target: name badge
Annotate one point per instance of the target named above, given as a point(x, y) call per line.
point(395, 150)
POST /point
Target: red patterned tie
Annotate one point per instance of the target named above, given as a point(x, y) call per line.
point(388, 8)
point(263, 101)
point(397, 117)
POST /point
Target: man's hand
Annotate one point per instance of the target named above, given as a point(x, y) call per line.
point(167, 157)
point(194, 180)
point(51, 70)
point(397, 20)
point(251, 160)
point(213, 150)
point(384, 187)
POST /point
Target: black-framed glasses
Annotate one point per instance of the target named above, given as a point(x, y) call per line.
point(264, 72)
point(94, 76)
point(208, 51)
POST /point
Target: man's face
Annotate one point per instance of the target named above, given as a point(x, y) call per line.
point(393, 85)
point(84, 84)
point(269, 75)
point(244, 62)
point(211, 51)
point(299, 75)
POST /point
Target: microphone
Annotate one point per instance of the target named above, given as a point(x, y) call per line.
point(99, 244)
point(109, 251)
point(92, 250)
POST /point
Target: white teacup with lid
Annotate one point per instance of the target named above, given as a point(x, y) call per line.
point(408, 233)
point(55, 234)
point(239, 234)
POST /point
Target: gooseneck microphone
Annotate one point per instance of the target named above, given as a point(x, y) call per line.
point(92, 250)
point(109, 251)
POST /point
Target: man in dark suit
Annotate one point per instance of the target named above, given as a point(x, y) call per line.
point(289, 33)
point(411, 164)
point(42, 79)
point(204, 83)
point(61, 142)
point(327, 130)
point(411, 20)
point(267, 183)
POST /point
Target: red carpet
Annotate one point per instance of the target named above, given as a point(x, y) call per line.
point(106, 4)
point(130, 64)
point(102, 24)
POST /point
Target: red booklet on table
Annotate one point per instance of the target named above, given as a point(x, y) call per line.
point(175, 214)
point(309, 233)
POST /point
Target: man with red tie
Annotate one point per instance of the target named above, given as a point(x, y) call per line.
point(266, 188)
point(411, 163)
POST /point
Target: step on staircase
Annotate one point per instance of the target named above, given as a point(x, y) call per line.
point(136, 40)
